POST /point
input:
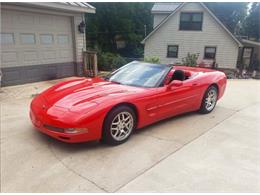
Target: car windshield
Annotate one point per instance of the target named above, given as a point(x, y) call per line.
point(139, 74)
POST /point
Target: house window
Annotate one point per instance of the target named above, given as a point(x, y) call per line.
point(28, 38)
point(7, 38)
point(46, 39)
point(210, 52)
point(191, 21)
point(172, 51)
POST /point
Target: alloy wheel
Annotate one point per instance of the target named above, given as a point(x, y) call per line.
point(122, 126)
point(211, 99)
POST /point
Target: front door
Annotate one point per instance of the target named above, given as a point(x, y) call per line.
point(176, 100)
point(247, 56)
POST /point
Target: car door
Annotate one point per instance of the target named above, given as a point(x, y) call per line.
point(176, 99)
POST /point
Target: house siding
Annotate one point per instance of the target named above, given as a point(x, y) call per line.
point(212, 34)
point(79, 38)
point(158, 18)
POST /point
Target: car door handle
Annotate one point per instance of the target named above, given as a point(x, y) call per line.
point(194, 84)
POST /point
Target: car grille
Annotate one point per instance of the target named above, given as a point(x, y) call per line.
point(57, 129)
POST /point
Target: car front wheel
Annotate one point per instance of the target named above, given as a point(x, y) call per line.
point(119, 125)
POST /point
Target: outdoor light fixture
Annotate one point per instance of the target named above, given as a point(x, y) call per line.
point(81, 27)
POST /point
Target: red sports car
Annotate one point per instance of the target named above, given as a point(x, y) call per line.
point(111, 108)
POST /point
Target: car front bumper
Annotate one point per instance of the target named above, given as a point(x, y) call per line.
point(55, 133)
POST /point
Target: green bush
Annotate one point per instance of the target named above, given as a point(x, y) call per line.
point(118, 61)
point(152, 59)
point(109, 61)
point(190, 60)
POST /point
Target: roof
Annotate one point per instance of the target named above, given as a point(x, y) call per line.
point(256, 43)
point(64, 6)
point(78, 4)
point(164, 7)
point(178, 8)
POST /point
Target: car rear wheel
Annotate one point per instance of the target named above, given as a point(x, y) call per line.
point(119, 125)
point(209, 100)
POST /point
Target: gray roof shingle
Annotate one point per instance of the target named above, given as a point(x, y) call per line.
point(165, 7)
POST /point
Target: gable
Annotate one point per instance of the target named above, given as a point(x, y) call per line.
point(193, 7)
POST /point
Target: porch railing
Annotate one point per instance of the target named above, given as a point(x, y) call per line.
point(90, 68)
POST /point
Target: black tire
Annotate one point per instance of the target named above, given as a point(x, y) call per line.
point(204, 109)
point(107, 136)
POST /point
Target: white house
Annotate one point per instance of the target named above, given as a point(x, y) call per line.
point(182, 28)
point(41, 41)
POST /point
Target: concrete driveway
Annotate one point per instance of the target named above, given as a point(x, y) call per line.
point(218, 152)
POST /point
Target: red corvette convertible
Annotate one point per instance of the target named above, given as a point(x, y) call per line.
point(111, 108)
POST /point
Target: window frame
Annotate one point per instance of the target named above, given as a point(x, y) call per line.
point(59, 40)
point(190, 13)
point(52, 39)
point(177, 52)
point(27, 43)
point(206, 58)
point(7, 33)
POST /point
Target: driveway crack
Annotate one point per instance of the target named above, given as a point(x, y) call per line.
point(78, 174)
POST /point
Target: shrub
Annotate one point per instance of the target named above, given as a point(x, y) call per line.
point(109, 61)
point(118, 61)
point(190, 60)
point(152, 59)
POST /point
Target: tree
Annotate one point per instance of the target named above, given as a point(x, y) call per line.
point(251, 25)
point(126, 20)
point(230, 14)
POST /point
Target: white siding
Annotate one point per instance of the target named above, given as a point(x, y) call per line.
point(158, 18)
point(212, 34)
point(79, 39)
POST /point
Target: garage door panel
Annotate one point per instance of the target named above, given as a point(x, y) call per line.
point(25, 20)
point(62, 24)
point(30, 56)
point(65, 54)
point(9, 57)
point(49, 54)
point(46, 21)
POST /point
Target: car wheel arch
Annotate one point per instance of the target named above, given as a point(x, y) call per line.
point(131, 105)
point(215, 85)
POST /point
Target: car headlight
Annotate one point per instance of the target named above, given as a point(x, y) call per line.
point(75, 130)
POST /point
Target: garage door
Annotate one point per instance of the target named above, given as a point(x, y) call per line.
point(35, 47)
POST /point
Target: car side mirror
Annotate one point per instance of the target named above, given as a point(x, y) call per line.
point(175, 83)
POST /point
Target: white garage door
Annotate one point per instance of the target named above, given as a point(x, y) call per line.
point(31, 39)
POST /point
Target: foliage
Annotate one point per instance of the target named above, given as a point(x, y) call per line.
point(251, 25)
point(152, 59)
point(126, 20)
point(229, 13)
point(190, 60)
point(109, 61)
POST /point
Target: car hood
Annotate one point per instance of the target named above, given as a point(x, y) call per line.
point(77, 95)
